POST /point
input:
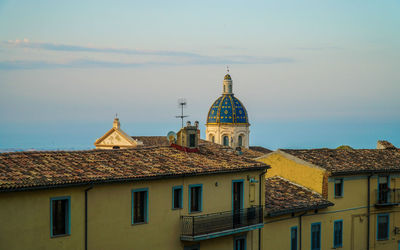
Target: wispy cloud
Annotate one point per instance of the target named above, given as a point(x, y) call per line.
point(319, 48)
point(170, 58)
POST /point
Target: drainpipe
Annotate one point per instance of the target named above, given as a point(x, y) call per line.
point(300, 216)
point(86, 216)
point(262, 210)
point(368, 209)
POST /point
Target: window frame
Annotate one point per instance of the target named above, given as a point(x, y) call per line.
point(241, 237)
point(146, 204)
point(319, 235)
point(341, 234)
point(341, 186)
point(297, 237)
point(387, 229)
point(67, 219)
point(201, 197)
point(242, 193)
point(180, 187)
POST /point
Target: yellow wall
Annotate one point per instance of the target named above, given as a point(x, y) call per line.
point(25, 216)
point(298, 172)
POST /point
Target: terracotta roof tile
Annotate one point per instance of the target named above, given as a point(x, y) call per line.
point(285, 197)
point(260, 149)
point(350, 161)
point(28, 170)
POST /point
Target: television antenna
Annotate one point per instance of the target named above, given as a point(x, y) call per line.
point(182, 104)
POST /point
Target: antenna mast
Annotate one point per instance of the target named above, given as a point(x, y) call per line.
point(182, 104)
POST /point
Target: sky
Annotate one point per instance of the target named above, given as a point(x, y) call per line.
point(311, 74)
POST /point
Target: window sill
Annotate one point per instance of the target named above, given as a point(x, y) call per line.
point(338, 197)
point(337, 247)
point(139, 223)
point(178, 208)
point(382, 239)
point(195, 212)
point(60, 235)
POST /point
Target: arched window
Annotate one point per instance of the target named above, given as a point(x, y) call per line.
point(226, 140)
point(115, 147)
point(212, 138)
point(240, 141)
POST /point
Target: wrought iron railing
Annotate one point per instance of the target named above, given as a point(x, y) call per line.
point(387, 196)
point(218, 222)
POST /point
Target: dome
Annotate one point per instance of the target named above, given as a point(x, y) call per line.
point(227, 109)
point(227, 77)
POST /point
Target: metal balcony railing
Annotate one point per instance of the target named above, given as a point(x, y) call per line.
point(387, 196)
point(229, 222)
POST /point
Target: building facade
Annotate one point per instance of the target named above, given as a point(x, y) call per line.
point(157, 197)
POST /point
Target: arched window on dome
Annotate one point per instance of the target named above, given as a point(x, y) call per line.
point(225, 140)
point(240, 141)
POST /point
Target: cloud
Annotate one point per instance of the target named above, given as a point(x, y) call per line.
point(319, 48)
point(170, 58)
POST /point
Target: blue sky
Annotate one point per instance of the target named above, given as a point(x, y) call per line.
point(310, 73)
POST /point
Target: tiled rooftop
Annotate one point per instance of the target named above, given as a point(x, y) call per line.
point(261, 149)
point(28, 170)
point(350, 161)
point(285, 197)
point(152, 140)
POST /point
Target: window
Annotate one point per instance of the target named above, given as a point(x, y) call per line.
point(192, 140)
point(338, 233)
point(226, 140)
point(338, 187)
point(60, 210)
point(195, 247)
point(240, 141)
point(383, 226)
point(139, 206)
point(239, 243)
point(212, 138)
point(293, 238)
point(195, 198)
point(383, 190)
point(316, 236)
point(177, 197)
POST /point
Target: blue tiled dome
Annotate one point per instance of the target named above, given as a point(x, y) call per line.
point(227, 109)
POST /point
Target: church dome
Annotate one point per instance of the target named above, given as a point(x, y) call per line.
point(227, 109)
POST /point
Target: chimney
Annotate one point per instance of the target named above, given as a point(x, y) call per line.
point(384, 145)
point(189, 136)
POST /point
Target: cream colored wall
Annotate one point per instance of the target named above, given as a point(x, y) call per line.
point(233, 131)
point(25, 216)
point(310, 177)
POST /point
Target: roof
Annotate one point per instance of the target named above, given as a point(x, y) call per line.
point(261, 149)
point(152, 140)
point(33, 170)
point(227, 109)
point(285, 197)
point(350, 161)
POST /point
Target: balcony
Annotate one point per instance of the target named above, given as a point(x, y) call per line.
point(387, 197)
point(208, 226)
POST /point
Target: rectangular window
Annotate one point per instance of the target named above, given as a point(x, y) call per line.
point(177, 197)
point(338, 187)
point(60, 209)
point(195, 247)
point(316, 236)
point(139, 206)
point(383, 226)
point(239, 243)
point(192, 140)
point(383, 190)
point(338, 233)
point(293, 238)
point(195, 198)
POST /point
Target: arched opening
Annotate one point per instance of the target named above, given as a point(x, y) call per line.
point(240, 141)
point(212, 138)
point(116, 147)
point(225, 140)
